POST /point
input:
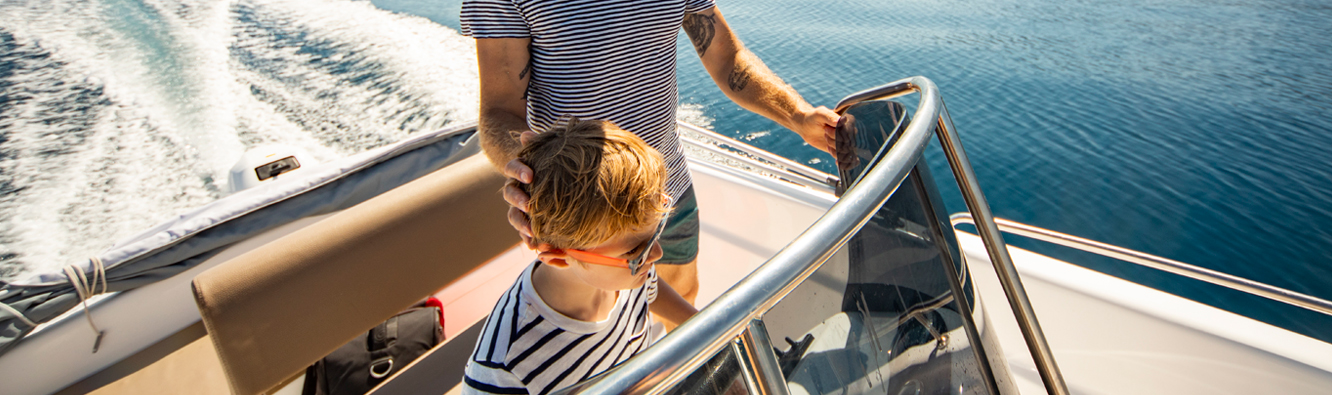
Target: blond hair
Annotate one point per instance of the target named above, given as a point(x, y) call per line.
point(593, 181)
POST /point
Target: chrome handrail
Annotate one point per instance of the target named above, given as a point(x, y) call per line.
point(750, 156)
point(775, 170)
point(1155, 262)
point(793, 166)
point(690, 345)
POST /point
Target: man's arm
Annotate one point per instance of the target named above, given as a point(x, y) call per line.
point(748, 82)
point(505, 68)
point(669, 305)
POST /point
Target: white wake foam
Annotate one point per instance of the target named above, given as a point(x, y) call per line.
point(123, 113)
point(126, 112)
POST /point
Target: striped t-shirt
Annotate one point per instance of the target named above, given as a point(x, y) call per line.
point(528, 348)
point(598, 59)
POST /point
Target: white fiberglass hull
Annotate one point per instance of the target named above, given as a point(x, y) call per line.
point(1111, 336)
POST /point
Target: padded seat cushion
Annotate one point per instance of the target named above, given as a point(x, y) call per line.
point(275, 310)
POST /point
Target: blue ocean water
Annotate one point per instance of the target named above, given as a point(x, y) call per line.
point(1194, 130)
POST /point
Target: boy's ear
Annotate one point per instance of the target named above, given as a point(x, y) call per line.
point(554, 257)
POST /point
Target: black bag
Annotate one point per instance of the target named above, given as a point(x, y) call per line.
point(366, 361)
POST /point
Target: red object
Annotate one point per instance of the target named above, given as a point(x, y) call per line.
point(434, 302)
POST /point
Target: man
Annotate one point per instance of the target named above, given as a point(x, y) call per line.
point(543, 60)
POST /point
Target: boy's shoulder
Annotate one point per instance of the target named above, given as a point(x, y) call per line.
point(508, 321)
point(491, 368)
point(521, 314)
point(524, 344)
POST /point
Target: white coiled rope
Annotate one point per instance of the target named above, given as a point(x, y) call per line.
point(86, 288)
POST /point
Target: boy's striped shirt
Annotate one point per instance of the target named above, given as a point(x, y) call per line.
point(528, 348)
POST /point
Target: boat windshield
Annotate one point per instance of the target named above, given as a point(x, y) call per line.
point(883, 315)
point(874, 297)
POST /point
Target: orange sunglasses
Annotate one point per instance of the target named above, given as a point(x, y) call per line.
point(632, 264)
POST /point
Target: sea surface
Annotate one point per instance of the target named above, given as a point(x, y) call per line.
point(1194, 130)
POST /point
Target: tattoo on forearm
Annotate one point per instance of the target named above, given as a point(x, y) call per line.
point(740, 76)
point(701, 28)
point(523, 74)
point(526, 69)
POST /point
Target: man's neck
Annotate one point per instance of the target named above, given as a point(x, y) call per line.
point(565, 293)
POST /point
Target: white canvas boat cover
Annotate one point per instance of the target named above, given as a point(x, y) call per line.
point(180, 243)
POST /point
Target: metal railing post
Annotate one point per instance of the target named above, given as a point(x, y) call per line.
point(998, 250)
point(761, 366)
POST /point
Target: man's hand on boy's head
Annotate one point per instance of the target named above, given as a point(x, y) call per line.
point(518, 172)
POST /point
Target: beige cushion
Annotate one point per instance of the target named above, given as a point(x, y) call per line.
point(275, 310)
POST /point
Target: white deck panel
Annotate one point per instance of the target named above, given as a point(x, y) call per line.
point(745, 220)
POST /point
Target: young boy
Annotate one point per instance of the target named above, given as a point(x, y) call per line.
point(598, 199)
